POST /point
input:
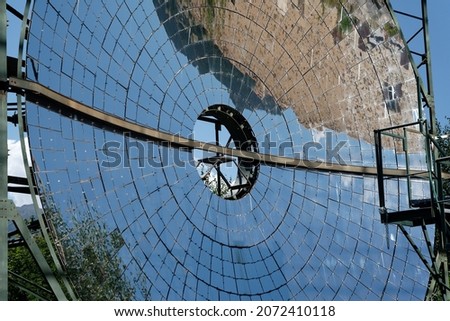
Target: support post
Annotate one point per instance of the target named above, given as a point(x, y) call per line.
point(380, 174)
point(441, 226)
point(3, 156)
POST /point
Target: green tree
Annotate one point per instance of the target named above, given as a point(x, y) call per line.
point(90, 259)
point(21, 266)
point(443, 142)
point(92, 263)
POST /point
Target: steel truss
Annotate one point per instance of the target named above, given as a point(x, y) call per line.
point(435, 210)
point(58, 285)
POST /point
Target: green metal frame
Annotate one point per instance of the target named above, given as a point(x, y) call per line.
point(38, 210)
point(421, 212)
point(425, 89)
point(439, 278)
point(8, 211)
point(4, 213)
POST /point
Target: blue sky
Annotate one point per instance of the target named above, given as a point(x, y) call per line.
point(439, 25)
point(440, 47)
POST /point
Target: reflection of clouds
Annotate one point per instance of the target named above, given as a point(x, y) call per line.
point(15, 168)
point(346, 181)
point(396, 192)
point(317, 135)
point(331, 262)
point(420, 189)
point(392, 237)
point(282, 6)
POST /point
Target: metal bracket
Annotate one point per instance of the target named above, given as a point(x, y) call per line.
point(7, 209)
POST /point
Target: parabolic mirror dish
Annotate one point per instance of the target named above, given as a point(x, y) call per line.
point(308, 80)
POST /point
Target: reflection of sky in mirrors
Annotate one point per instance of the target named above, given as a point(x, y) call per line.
point(299, 234)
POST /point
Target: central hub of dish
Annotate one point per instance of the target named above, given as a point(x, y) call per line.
point(225, 174)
